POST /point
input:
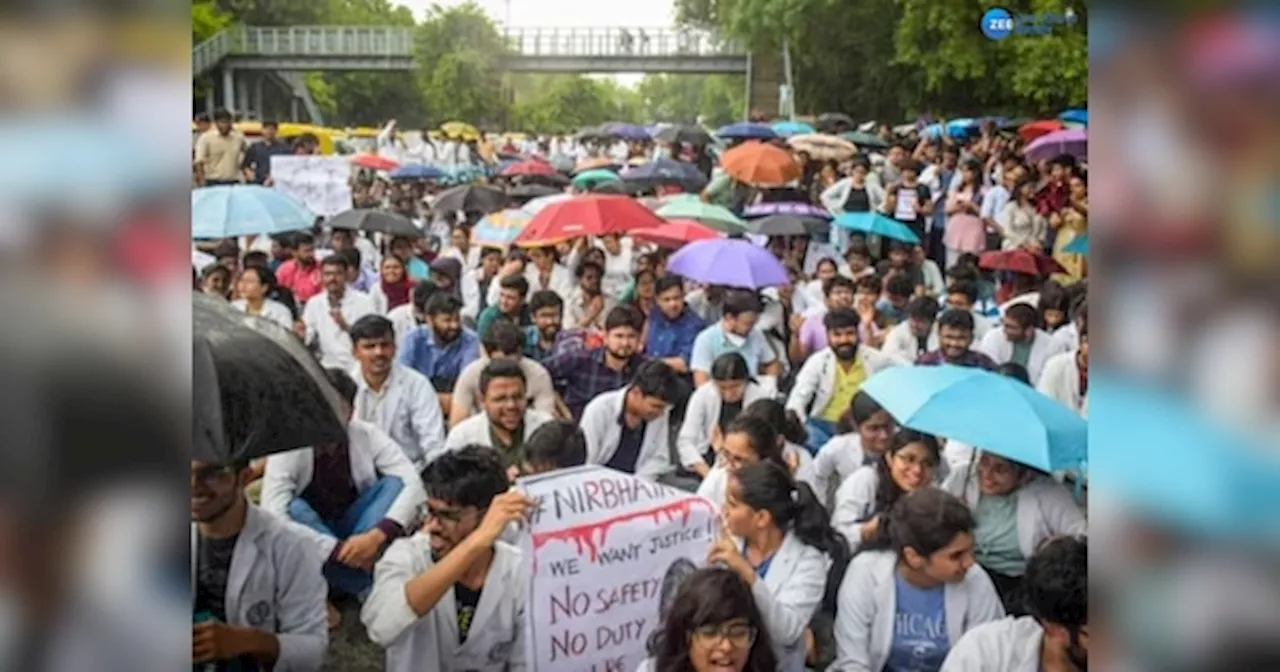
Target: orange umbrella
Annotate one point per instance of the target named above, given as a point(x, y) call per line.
point(1035, 129)
point(760, 165)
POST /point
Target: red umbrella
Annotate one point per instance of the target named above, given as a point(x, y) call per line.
point(531, 167)
point(1020, 261)
point(586, 215)
point(675, 233)
point(375, 162)
point(1035, 129)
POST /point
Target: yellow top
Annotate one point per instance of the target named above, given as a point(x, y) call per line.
point(848, 382)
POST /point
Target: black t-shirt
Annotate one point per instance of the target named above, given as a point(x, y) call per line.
point(467, 600)
point(857, 200)
point(628, 453)
point(922, 195)
point(213, 565)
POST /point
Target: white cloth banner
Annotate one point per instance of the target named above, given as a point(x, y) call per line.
point(321, 183)
point(608, 552)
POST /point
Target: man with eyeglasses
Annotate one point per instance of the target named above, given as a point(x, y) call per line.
point(425, 607)
point(506, 419)
point(259, 591)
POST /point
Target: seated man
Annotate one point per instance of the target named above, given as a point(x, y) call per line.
point(395, 398)
point(430, 587)
point(353, 497)
point(583, 375)
point(558, 444)
point(271, 616)
point(504, 341)
point(955, 342)
point(442, 347)
point(628, 429)
point(506, 419)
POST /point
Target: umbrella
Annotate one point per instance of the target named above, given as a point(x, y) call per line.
point(375, 220)
point(1075, 116)
point(795, 208)
point(417, 171)
point(789, 128)
point(717, 217)
point(615, 187)
point(760, 165)
point(959, 128)
point(593, 163)
point(256, 390)
point(865, 139)
point(374, 162)
point(683, 133)
point(244, 210)
point(536, 205)
point(529, 167)
point(460, 131)
point(876, 224)
point(675, 233)
point(1020, 261)
point(729, 262)
point(528, 191)
point(1074, 142)
point(1031, 131)
point(500, 228)
point(823, 147)
point(994, 413)
point(589, 178)
point(666, 171)
point(624, 131)
point(746, 132)
point(1078, 245)
point(835, 121)
point(788, 225)
point(586, 215)
point(471, 198)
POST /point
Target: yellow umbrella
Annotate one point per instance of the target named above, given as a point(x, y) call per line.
point(460, 131)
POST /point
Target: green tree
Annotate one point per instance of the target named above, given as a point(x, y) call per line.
point(207, 20)
point(685, 98)
point(566, 103)
point(459, 71)
point(368, 98)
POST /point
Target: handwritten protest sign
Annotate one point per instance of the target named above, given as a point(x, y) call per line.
point(321, 183)
point(609, 550)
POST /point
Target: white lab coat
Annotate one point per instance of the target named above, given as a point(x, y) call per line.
point(713, 487)
point(855, 502)
point(1045, 508)
point(816, 381)
point(602, 430)
point(334, 343)
point(372, 453)
point(1061, 380)
point(1067, 336)
point(901, 343)
point(495, 642)
point(469, 285)
point(836, 461)
point(272, 310)
point(867, 606)
point(701, 416)
point(403, 320)
point(275, 585)
point(789, 595)
point(997, 346)
point(1004, 645)
point(475, 430)
point(409, 412)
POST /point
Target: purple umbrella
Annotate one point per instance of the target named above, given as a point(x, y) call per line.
point(796, 209)
point(730, 262)
point(1073, 141)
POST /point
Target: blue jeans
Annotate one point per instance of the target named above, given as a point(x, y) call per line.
point(363, 514)
point(820, 432)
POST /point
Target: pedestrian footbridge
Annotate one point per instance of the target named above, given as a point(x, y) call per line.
point(614, 50)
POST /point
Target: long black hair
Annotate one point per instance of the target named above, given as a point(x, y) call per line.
point(730, 366)
point(925, 520)
point(787, 424)
point(761, 435)
point(765, 486)
point(711, 596)
point(887, 490)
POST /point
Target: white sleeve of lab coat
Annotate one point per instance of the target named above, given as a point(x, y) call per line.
point(386, 613)
point(302, 629)
point(657, 462)
point(389, 460)
point(834, 196)
point(280, 486)
point(593, 430)
point(694, 438)
point(806, 386)
point(856, 608)
point(788, 613)
point(428, 422)
point(854, 500)
point(984, 601)
point(966, 655)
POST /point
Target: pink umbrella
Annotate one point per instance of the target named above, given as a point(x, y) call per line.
point(1072, 141)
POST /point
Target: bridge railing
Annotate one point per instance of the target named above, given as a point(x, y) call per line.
point(325, 41)
point(618, 42)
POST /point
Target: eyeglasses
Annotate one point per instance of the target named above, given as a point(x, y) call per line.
point(739, 635)
point(928, 462)
point(445, 516)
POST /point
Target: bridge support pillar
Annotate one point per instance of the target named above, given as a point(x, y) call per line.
point(228, 89)
point(763, 94)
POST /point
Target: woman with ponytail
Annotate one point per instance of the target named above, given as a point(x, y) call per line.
point(779, 542)
point(747, 440)
point(712, 407)
point(914, 590)
point(865, 438)
point(791, 432)
point(910, 463)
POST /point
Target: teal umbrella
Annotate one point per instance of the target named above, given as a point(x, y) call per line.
point(714, 216)
point(1078, 245)
point(876, 224)
point(590, 178)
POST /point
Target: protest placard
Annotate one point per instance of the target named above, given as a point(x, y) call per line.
point(321, 183)
point(608, 552)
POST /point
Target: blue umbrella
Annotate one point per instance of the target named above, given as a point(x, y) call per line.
point(984, 409)
point(959, 128)
point(1159, 454)
point(1078, 245)
point(789, 128)
point(746, 131)
point(625, 131)
point(665, 171)
point(876, 224)
point(932, 131)
point(417, 171)
point(1075, 116)
point(243, 210)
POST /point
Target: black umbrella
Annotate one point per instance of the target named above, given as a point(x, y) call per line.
point(788, 225)
point(666, 171)
point(694, 135)
point(375, 220)
point(471, 198)
point(255, 388)
point(548, 179)
point(527, 191)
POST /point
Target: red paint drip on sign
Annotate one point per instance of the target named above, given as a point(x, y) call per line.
point(585, 536)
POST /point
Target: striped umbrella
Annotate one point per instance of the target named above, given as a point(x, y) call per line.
point(499, 228)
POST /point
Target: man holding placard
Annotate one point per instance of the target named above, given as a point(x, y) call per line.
point(452, 597)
